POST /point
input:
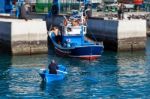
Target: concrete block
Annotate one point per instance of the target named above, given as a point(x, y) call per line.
point(131, 29)
point(24, 37)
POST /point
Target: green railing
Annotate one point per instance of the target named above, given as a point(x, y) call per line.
point(44, 6)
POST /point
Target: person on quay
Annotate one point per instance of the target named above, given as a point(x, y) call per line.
point(23, 12)
point(57, 33)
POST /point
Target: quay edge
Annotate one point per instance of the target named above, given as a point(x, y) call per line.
point(117, 35)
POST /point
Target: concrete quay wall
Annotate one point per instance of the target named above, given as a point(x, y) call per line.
point(23, 37)
point(117, 35)
point(132, 33)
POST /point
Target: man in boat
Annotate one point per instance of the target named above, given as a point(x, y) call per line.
point(53, 67)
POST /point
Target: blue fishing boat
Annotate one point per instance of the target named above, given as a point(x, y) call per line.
point(61, 72)
point(73, 41)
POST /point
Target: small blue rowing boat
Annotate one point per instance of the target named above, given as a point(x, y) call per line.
point(61, 72)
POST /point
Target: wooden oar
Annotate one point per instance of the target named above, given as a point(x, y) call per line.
point(62, 71)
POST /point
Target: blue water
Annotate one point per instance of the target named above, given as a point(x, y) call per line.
point(123, 75)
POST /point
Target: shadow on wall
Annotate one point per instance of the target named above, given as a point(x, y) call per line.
point(5, 37)
point(148, 27)
point(148, 23)
point(54, 21)
point(105, 31)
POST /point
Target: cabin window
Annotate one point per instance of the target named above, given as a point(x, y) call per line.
point(69, 29)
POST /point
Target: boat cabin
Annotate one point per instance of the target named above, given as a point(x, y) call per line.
point(73, 35)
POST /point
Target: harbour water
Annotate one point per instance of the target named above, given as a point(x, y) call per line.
point(122, 75)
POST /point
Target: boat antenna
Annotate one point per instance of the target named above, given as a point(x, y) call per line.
point(66, 19)
point(82, 16)
point(82, 23)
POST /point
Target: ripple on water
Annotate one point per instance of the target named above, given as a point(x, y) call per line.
point(114, 76)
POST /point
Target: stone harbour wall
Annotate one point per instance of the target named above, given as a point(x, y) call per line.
point(23, 37)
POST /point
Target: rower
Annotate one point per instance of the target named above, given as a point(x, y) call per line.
point(53, 67)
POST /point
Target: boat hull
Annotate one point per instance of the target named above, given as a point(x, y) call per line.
point(83, 52)
point(48, 78)
point(51, 77)
point(76, 46)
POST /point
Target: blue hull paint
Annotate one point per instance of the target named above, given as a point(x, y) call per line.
point(48, 78)
point(86, 50)
point(71, 41)
point(51, 77)
point(82, 51)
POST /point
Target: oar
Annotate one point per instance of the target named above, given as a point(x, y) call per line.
point(62, 71)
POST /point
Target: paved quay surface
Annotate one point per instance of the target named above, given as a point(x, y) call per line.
point(107, 15)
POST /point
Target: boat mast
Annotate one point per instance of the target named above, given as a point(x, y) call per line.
point(83, 10)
